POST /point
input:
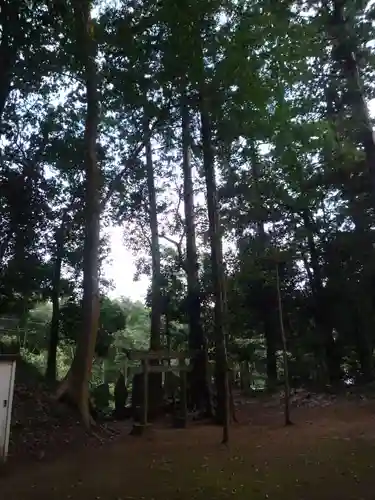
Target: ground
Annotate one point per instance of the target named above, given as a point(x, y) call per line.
point(328, 454)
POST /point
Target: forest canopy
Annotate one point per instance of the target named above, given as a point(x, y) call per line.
point(232, 143)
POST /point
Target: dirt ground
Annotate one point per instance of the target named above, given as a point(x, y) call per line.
point(328, 454)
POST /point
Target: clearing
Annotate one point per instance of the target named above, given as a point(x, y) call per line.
point(328, 454)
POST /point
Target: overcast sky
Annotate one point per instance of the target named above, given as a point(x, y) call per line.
point(122, 268)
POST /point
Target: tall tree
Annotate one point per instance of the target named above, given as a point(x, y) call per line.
point(76, 384)
point(285, 352)
point(267, 291)
point(197, 342)
point(347, 111)
point(156, 299)
point(217, 267)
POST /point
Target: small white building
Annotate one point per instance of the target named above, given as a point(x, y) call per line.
point(7, 376)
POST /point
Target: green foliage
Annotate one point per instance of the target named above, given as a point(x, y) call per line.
point(112, 319)
point(292, 156)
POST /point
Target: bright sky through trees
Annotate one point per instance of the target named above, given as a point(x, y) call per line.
point(120, 265)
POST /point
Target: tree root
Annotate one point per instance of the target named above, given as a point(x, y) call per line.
point(67, 393)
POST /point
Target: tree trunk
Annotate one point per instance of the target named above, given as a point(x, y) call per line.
point(285, 352)
point(232, 405)
point(246, 373)
point(199, 385)
point(168, 334)
point(268, 317)
point(156, 305)
point(51, 371)
point(75, 387)
point(322, 312)
point(223, 404)
point(271, 360)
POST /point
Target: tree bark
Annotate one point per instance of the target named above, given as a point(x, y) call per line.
point(51, 371)
point(75, 387)
point(199, 386)
point(223, 403)
point(156, 304)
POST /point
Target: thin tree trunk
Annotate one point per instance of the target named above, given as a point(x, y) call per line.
point(232, 405)
point(229, 377)
point(268, 318)
point(322, 314)
point(223, 404)
point(168, 335)
point(51, 371)
point(156, 304)
point(199, 385)
point(76, 385)
point(285, 353)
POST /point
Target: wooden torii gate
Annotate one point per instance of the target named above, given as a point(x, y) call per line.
point(146, 357)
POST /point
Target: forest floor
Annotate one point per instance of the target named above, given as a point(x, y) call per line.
point(328, 454)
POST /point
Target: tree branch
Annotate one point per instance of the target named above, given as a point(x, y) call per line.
point(134, 155)
point(145, 235)
point(177, 244)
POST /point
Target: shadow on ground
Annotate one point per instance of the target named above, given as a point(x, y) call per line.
point(329, 454)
